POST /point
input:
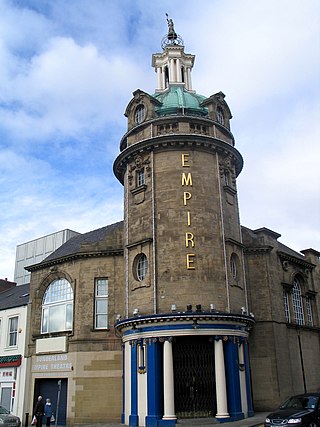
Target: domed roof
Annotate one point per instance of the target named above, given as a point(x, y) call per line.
point(176, 100)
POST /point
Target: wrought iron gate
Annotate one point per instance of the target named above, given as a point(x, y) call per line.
point(194, 377)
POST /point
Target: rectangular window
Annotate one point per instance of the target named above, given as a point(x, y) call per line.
point(140, 177)
point(309, 312)
point(101, 303)
point(13, 331)
point(286, 306)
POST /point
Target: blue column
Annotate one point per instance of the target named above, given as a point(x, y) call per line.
point(154, 383)
point(248, 378)
point(123, 385)
point(134, 418)
point(233, 380)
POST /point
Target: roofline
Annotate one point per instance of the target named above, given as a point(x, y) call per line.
point(74, 256)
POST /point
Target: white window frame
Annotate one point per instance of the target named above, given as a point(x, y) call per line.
point(142, 267)
point(140, 177)
point(59, 294)
point(309, 311)
point(140, 113)
point(297, 304)
point(286, 306)
point(13, 331)
point(101, 299)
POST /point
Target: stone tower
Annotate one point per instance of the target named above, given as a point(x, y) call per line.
point(184, 266)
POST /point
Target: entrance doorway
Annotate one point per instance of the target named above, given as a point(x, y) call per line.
point(194, 377)
point(56, 390)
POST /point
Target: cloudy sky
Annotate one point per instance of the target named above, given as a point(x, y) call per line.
point(68, 69)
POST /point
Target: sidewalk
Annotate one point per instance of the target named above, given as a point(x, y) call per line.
point(256, 421)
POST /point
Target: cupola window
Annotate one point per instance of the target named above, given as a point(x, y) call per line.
point(140, 177)
point(140, 114)
point(220, 116)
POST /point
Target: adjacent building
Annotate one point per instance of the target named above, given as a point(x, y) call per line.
point(13, 332)
point(177, 311)
point(36, 250)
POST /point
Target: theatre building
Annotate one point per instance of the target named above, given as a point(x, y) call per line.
point(178, 311)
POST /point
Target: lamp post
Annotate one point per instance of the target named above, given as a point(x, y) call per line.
point(301, 360)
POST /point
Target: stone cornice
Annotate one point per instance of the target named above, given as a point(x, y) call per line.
point(72, 257)
point(234, 242)
point(178, 141)
point(258, 249)
point(295, 260)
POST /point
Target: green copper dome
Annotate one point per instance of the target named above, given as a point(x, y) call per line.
point(177, 100)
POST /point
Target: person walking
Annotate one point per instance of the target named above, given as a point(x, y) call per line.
point(48, 411)
point(39, 411)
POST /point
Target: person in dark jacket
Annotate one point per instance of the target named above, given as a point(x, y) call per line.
point(48, 411)
point(39, 411)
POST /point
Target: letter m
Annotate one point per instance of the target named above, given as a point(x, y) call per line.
point(186, 179)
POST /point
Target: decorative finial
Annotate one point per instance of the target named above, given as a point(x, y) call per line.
point(172, 38)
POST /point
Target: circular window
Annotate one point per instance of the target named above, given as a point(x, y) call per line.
point(140, 113)
point(140, 267)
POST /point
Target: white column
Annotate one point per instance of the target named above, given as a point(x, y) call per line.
point(188, 78)
point(168, 382)
point(221, 389)
point(163, 75)
point(127, 382)
point(179, 75)
point(159, 79)
point(171, 71)
point(242, 374)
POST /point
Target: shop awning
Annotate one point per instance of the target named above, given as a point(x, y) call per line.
point(7, 361)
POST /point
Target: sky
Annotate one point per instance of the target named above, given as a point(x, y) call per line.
point(67, 72)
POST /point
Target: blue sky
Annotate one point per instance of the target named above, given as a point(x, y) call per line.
point(68, 69)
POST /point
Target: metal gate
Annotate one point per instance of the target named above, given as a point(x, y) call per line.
point(194, 377)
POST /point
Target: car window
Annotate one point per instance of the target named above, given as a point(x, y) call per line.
point(3, 410)
point(301, 402)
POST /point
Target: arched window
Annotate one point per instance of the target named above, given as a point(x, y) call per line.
point(220, 116)
point(297, 302)
point(57, 307)
point(140, 113)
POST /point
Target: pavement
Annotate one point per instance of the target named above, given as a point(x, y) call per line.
point(256, 421)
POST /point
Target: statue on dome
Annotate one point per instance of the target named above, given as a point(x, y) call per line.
point(172, 35)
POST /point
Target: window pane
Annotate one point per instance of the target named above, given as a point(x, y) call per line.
point(101, 306)
point(13, 329)
point(101, 287)
point(102, 321)
point(45, 314)
point(101, 303)
point(309, 312)
point(286, 306)
point(57, 318)
point(59, 290)
point(69, 317)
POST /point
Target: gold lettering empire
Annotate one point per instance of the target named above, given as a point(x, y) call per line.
point(186, 181)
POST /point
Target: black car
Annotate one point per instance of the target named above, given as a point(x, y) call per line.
point(302, 410)
point(7, 419)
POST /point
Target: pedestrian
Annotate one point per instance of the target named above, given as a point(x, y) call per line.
point(48, 411)
point(39, 411)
